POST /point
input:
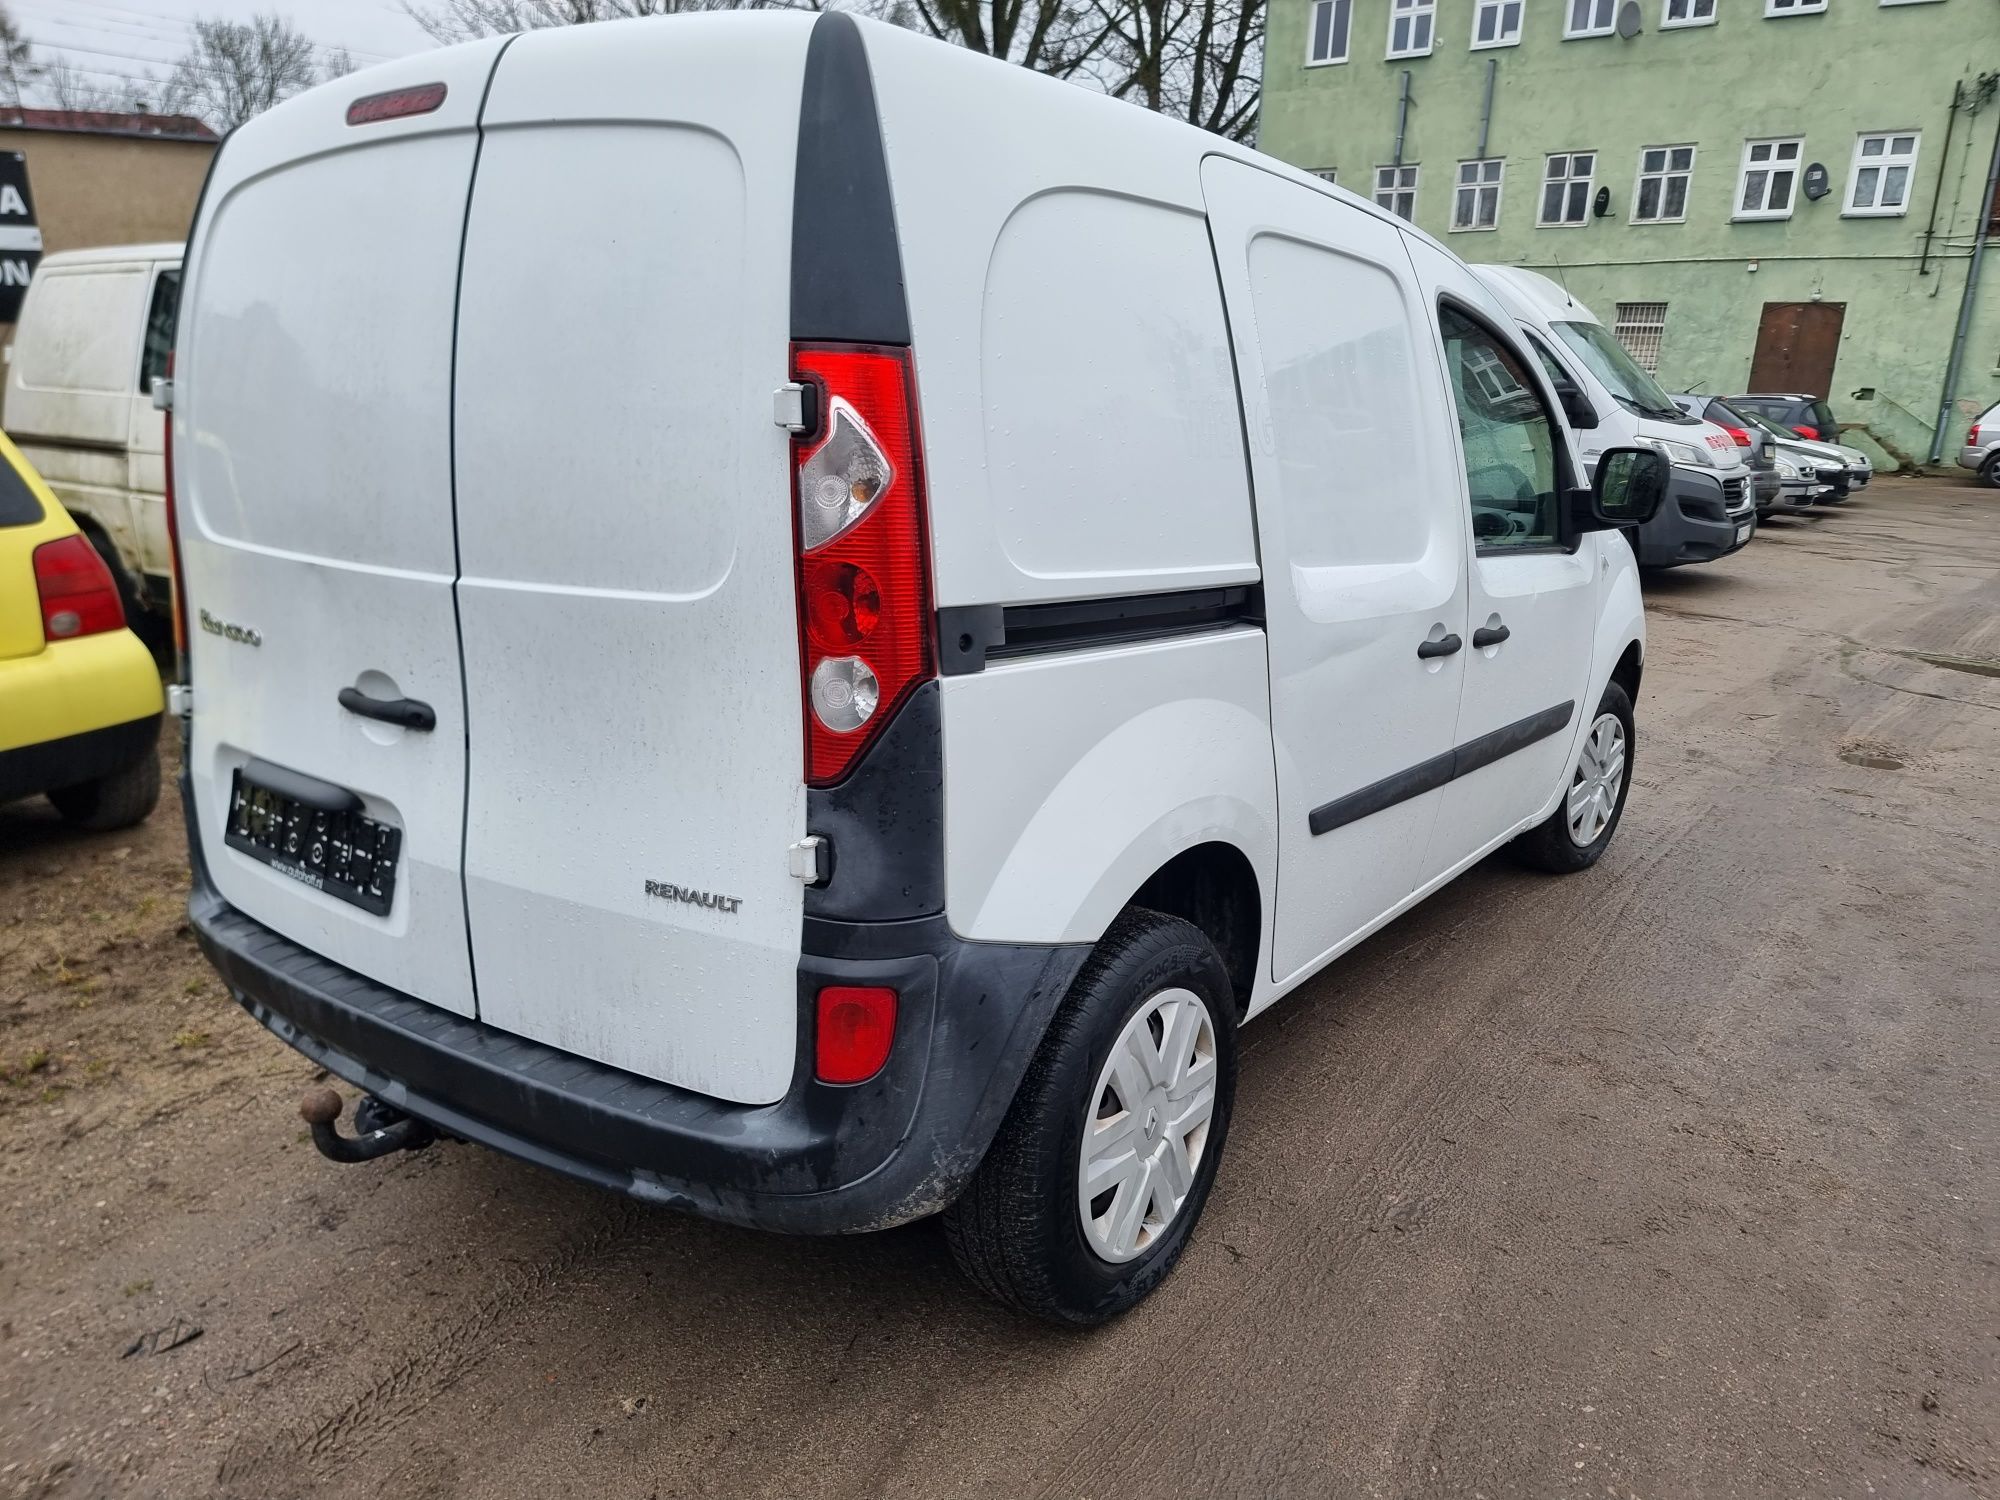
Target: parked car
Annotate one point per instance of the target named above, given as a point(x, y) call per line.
point(851, 814)
point(1777, 480)
point(80, 698)
point(93, 335)
point(1981, 449)
point(1835, 469)
point(1808, 417)
point(1608, 400)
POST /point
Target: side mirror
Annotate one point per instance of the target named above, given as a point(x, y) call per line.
point(1577, 410)
point(1626, 489)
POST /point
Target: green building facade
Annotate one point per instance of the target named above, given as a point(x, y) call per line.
point(1785, 187)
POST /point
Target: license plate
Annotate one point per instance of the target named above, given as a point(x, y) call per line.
point(1743, 533)
point(348, 855)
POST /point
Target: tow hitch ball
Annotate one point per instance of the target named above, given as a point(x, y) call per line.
point(382, 1127)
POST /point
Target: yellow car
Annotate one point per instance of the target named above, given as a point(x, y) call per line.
point(80, 700)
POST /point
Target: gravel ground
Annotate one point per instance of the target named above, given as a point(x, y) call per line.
point(1673, 1179)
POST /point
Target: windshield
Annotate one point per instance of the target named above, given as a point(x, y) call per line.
point(1629, 385)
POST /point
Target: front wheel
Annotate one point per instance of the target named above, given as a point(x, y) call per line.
point(1104, 1162)
point(1576, 834)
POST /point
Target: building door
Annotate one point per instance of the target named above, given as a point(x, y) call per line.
point(1797, 343)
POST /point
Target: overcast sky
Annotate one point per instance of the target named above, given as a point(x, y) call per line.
point(134, 37)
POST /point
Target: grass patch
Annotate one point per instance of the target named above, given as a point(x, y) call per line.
point(189, 1039)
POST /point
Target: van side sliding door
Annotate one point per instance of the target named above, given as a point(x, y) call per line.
point(1362, 540)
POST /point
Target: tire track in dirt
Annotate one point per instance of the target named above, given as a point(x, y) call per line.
point(440, 1355)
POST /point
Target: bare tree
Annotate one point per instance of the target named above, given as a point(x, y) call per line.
point(235, 69)
point(17, 64)
point(1197, 60)
point(462, 20)
point(66, 87)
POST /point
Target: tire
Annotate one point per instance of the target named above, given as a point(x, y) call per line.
point(1989, 472)
point(115, 801)
point(1551, 846)
point(1019, 1230)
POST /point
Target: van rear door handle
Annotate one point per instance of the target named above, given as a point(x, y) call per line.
point(1493, 637)
point(1445, 647)
point(408, 712)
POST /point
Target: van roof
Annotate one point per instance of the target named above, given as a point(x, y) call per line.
point(1531, 295)
point(110, 254)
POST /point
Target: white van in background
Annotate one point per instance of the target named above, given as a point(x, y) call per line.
point(838, 712)
point(93, 335)
point(1711, 507)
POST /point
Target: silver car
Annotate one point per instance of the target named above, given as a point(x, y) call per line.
point(1981, 452)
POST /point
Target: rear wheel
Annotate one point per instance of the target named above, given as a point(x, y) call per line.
point(1104, 1162)
point(1576, 834)
point(115, 801)
point(1989, 472)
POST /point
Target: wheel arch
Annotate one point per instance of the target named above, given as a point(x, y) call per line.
point(1213, 885)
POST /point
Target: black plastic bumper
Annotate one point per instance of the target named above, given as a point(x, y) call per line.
point(76, 758)
point(1693, 524)
point(822, 1160)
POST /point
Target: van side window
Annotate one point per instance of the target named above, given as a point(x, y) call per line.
point(1509, 440)
point(160, 328)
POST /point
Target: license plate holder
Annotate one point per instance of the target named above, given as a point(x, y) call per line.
point(348, 855)
point(1743, 533)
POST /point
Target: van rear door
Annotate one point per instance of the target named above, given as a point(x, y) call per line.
point(624, 505)
point(312, 455)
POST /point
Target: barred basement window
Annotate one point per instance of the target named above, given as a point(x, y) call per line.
point(1640, 327)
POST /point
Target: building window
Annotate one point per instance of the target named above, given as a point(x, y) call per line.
point(1591, 17)
point(1566, 188)
point(1476, 204)
point(1792, 7)
point(1640, 328)
point(1662, 194)
point(1770, 170)
point(1327, 42)
point(1688, 13)
point(1883, 167)
point(1410, 23)
point(1396, 190)
point(1327, 174)
point(1496, 23)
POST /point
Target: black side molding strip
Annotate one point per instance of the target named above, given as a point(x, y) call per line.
point(1429, 775)
point(969, 635)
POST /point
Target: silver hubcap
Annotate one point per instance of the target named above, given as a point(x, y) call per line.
point(1593, 796)
point(1147, 1125)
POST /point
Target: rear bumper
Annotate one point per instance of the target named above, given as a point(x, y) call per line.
point(76, 758)
point(822, 1160)
point(1693, 524)
point(1975, 458)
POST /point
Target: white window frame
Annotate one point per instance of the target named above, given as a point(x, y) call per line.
point(1325, 174)
point(1693, 17)
point(1605, 8)
point(1413, 11)
point(1777, 9)
point(1589, 181)
point(1797, 166)
point(1499, 8)
point(1398, 189)
point(1621, 324)
point(1460, 187)
point(1335, 7)
point(1886, 160)
point(1640, 176)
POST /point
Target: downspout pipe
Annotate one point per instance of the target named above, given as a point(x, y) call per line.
point(1402, 118)
point(1965, 302)
point(1937, 192)
point(1485, 107)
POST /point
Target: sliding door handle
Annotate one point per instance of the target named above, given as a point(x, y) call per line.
point(1490, 637)
point(408, 712)
point(1426, 650)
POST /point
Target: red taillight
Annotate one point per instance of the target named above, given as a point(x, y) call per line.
point(78, 596)
point(1738, 436)
point(1807, 432)
point(863, 558)
point(857, 1024)
point(1972, 435)
point(371, 109)
point(174, 536)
